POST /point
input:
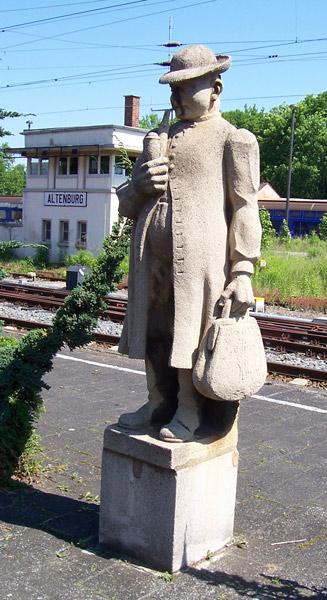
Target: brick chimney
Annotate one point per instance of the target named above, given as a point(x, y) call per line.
point(132, 111)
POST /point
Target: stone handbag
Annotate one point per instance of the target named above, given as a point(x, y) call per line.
point(231, 363)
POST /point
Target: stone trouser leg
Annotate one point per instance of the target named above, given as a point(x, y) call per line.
point(162, 389)
point(187, 417)
point(162, 380)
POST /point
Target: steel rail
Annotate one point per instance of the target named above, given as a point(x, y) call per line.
point(111, 340)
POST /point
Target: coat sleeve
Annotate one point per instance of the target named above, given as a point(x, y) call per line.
point(242, 181)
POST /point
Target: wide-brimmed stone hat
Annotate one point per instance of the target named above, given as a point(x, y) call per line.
point(194, 61)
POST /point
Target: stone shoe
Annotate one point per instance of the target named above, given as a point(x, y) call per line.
point(182, 427)
point(149, 413)
point(138, 418)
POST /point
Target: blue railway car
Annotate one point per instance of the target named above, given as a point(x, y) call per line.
point(11, 209)
point(304, 216)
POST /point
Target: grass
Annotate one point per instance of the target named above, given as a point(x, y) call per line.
point(25, 266)
point(296, 270)
point(295, 275)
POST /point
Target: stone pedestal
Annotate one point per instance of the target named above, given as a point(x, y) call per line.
point(167, 504)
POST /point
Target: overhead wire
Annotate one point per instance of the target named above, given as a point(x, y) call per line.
point(46, 6)
point(135, 17)
point(125, 69)
point(71, 15)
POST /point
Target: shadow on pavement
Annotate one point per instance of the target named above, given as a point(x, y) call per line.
point(274, 589)
point(66, 518)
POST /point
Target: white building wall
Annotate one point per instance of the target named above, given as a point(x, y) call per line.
point(10, 232)
point(97, 214)
point(130, 137)
point(101, 210)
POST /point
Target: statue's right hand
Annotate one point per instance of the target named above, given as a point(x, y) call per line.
point(152, 177)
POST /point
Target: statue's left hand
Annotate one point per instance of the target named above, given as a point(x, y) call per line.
point(240, 292)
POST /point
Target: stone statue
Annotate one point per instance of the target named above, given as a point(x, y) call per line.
point(196, 237)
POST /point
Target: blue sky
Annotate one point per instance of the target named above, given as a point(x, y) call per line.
point(76, 70)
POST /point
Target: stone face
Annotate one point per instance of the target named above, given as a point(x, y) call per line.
point(167, 504)
point(196, 237)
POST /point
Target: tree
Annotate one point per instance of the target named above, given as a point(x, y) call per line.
point(12, 177)
point(273, 130)
point(7, 114)
point(153, 120)
point(150, 121)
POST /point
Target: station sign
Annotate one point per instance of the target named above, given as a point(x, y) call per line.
point(57, 198)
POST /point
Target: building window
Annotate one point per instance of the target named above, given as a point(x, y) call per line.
point(119, 169)
point(73, 165)
point(62, 165)
point(46, 230)
point(16, 215)
point(34, 166)
point(93, 165)
point(104, 165)
point(81, 233)
point(68, 165)
point(64, 232)
point(44, 166)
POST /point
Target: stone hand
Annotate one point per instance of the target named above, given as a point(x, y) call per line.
point(152, 177)
point(239, 290)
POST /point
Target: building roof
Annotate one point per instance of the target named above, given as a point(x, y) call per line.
point(92, 139)
point(11, 199)
point(267, 191)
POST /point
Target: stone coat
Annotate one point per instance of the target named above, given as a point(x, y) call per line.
point(213, 184)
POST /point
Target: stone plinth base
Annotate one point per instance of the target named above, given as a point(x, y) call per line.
point(167, 504)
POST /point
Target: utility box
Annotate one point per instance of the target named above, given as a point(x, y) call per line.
point(75, 276)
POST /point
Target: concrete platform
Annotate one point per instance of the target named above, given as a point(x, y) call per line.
point(48, 528)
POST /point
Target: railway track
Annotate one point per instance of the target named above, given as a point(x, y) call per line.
point(289, 335)
point(51, 299)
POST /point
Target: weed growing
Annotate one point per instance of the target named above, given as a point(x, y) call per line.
point(296, 270)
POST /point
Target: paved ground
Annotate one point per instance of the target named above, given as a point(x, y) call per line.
point(48, 531)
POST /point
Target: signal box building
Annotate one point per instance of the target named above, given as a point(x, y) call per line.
point(70, 200)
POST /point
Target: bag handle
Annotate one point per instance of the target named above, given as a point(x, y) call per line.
point(225, 313)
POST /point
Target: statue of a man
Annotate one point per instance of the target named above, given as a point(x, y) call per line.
point(196, 237)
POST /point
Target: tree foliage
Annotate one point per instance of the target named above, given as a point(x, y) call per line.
point(153, 120)
point(12, 177)
point(4, 114)
point(150, 121)
point(273, 131)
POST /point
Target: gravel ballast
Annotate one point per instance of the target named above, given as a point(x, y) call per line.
point(108, 327)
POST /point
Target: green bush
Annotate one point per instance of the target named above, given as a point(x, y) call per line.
point(268, 232)
point(42, 257)
point(322, 228)
point(62, 255)
point(27, 264)
point(2, 273)
point(285, 234)
point(124, 266)
point(23, 366)
point(81, 258)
